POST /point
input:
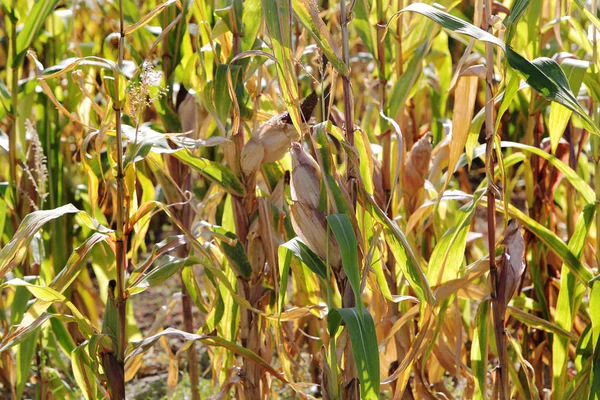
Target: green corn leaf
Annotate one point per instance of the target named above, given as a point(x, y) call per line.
point(450, 22)
point(404, 256)
point(235, 253)
point(594, 304)
point(479, 350)
point(14, 252)
point(547, 78)
point(324, 158)
point(569, 298)
point(214, 171)
point(449, 252)
point(516, 12)
point(25, 353)
point(84, 372)
point(278, 18)
point(307, 256)
point(251, 20)
point(543, 74)
point(344, 234)
point(307, 13)
point(582, 187)
point(148, 17)
point(189, 280)
point(539, 323)
point(559, 115)
point(31, 27)
point(364, 346)
point(285, 261)
point(554, 243)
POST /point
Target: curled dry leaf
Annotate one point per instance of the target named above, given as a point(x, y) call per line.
point(512, 266)
point(415, 171)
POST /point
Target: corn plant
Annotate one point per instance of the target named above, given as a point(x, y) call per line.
point(297, 199)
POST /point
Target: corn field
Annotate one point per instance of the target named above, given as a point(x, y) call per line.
point(299, 199)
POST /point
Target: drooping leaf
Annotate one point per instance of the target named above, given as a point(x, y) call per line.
point(13, 253)
point(559, 115)
point(214, 171)
point(364, 346)
point(307, 256)
point(344, 234)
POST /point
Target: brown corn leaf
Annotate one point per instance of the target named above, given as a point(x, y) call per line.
point(464, 103)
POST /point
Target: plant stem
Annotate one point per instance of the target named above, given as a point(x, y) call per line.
point(595, 140)
point(348, 106)
point(120, 245)
point(242, 211)
point(491, 208)
point(12, 139)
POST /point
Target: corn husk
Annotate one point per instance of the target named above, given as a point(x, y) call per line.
point(512, 265)
point(276, 137)
point(270, 143)
point(309, 223)
point(415, 171)
point(305, 182)
point(251, 157)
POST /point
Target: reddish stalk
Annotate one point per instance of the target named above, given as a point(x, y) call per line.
point(502, 382)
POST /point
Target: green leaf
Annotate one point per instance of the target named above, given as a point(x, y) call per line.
point(189, 280)
point(285, 260)
point(147, 18)
point(404, 256)
point(362, 10)
point(235, 253)
point(324, 158)
point(516, 11)
point(214, 171)
point(34, 21)
point(307, 256)
point(591, 16)
point(543, 74)
point(536, 322)
point(582, 187)
point(84, 373)
point(251, 20)
point(547, 78)
point(344, 234)
point(14, 252)
point(479, 350)
point(559, 115)
point(450, 22)
point(595, 319)
point(278, 18)
point(364, 346)
point(24, 355)
point(449, 252)
point(554, 243)
point(569, 298)
point(307, 13)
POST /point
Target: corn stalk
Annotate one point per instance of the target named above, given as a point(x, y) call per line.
point(502, 371)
